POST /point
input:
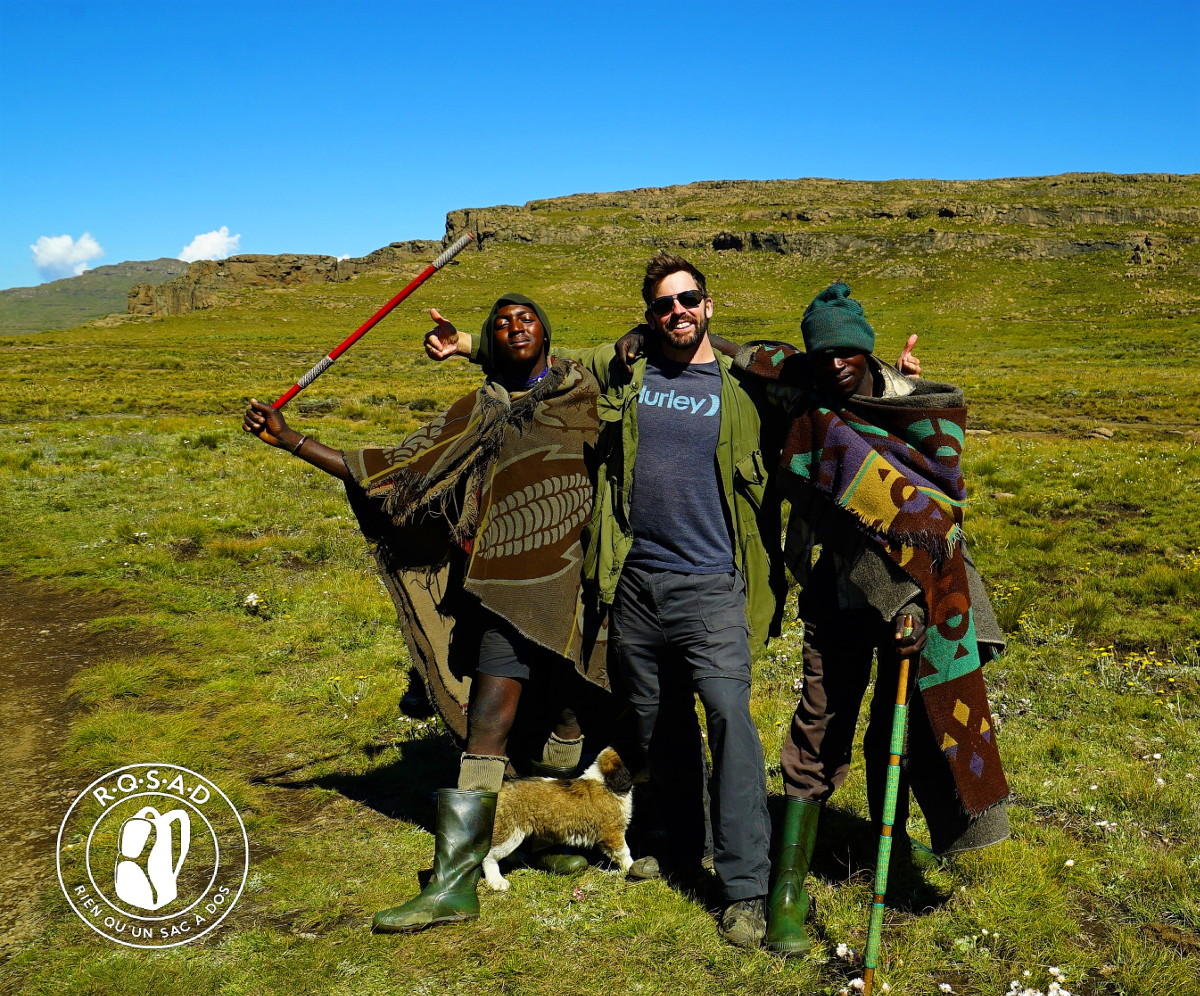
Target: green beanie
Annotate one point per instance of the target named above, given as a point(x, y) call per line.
point(833, 321)
point(483, 353)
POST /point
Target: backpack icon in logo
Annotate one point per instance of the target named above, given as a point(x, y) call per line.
point(147, 877)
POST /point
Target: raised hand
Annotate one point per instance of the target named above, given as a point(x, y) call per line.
point(909, 364)
point(441, 342)
point(268, 424)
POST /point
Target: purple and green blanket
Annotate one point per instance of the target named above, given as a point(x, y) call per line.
point(894, 464)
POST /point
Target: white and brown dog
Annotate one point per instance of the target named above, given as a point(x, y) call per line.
point(592, 810)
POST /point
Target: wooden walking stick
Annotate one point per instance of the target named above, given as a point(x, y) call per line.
point(371, 322)
point(891, 793)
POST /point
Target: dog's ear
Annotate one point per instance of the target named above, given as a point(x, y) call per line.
point(619, 780)
point(616, 776)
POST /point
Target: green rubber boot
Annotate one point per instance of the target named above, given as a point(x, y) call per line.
point(540, 769)
point(464, 836)
point(555, 860)
point(787, 906)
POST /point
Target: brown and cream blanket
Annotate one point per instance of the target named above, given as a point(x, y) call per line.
point(484, 507)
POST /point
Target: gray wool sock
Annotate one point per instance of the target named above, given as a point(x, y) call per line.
point(482, 772)
point(562, 753)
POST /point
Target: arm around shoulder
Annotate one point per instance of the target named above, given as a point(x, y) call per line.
point(601, 362)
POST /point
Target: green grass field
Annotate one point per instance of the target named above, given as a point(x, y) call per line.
point(125, 473)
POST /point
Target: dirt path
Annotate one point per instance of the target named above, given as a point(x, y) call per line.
point(44, 640)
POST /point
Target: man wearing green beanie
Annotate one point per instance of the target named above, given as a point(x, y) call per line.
point(840, 344)
point(834, 321)
point(871, 467)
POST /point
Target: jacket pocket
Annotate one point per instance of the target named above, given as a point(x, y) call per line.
point(750, 478)
point(610, 406)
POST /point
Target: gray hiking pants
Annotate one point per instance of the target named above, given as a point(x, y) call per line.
point(683, 634)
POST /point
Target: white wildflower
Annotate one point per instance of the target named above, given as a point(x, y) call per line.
point(857, 984)
point(253, 600)
point(1069, 863)
point(945, 987)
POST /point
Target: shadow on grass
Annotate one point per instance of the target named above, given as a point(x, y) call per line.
point(405, 789)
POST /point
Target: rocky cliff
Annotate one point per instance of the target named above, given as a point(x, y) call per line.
point(1031, 216)
point(209, 282)
point(1147, 215)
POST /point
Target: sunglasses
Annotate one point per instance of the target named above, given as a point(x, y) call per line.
point(688, 298)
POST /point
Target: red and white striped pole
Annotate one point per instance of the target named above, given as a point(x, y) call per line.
point(371, 322)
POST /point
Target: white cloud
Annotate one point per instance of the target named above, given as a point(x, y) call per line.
point(58, 256)
point(211, 245)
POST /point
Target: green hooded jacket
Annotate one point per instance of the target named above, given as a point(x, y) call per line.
point(752, 509)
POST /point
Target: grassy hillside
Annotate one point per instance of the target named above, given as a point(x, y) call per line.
point(64, 303)
point(125, 472)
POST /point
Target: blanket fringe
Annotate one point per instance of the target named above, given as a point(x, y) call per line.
point(453, 493)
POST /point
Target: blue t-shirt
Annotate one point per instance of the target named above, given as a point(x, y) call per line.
point(675, 509)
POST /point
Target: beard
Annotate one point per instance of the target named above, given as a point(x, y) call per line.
point(681, 340)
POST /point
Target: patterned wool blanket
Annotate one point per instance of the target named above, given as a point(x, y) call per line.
point(483, 507)
point(894, 464)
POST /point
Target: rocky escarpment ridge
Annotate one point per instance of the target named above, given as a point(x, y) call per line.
point(1148, 216)
point(1033, 217)
point(209, 282)
point(508, 223)
point(1141, 247)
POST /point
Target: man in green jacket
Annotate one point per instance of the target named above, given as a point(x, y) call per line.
point(676, 547)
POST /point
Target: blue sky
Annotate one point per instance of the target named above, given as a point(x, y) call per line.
point(339, 127)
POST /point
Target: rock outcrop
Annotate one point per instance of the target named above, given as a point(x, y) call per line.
point(819, 217)
point(209, 282)
point(1022, 218)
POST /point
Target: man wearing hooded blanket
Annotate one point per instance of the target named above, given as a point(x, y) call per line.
point(476, 519)
point(872, 468)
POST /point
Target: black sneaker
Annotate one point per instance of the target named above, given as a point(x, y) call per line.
point(744, 923)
